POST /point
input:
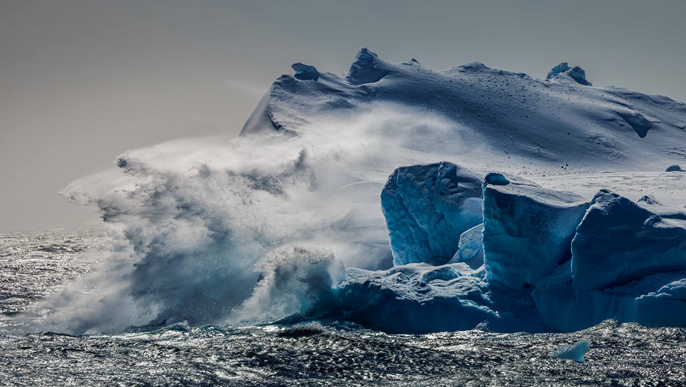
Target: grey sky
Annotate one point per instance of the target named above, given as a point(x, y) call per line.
point(82, 81)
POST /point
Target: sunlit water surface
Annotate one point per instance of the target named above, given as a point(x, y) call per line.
point(33, 265)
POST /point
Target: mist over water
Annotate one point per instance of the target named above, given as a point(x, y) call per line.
point(189, 219)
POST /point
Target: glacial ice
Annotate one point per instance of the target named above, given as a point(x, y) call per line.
point(654, 300)
point(305, 72)
point(619, 241)
point(427, 208)
point(416, 298)
point(562, 67)
point(579, 75)
point(527, 229)
point(470, 249)
point(486, 128)
point(628, 264)
point(574, 352)
point(576, 73)
point(551, 260)
point(367, 68)
point(420, 298)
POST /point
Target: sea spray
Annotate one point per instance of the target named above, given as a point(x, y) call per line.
point(293, 279)
point(190, 218)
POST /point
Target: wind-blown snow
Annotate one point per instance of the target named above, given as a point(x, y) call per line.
point(191, 218)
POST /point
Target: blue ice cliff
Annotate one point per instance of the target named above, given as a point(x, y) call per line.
point(620, 241)
point(471, 247)
point(527, 229)
point(551, 260)
point(427, 207)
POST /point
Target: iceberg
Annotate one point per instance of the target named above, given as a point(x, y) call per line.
point(527, 229)
point(495, 117)
point(574, 352)
point(562, 67)
point(427, 208)
point(309, 167)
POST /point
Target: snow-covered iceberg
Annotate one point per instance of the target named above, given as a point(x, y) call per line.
point(527, 229)
point(427, 208)
point(191, 218)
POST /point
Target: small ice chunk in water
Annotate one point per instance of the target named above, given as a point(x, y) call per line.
point(574, 352)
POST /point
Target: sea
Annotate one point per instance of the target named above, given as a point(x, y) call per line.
point(33, 265)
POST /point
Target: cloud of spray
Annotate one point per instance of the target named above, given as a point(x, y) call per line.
point(294, 279)
point(190, 219)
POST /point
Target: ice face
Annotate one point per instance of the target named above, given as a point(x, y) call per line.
point(562, 67)
point(619, 241)
point(367, 68)
point(628, 263)
point(420, 298)
point(427, 208)
point(579, 75)
point(471, 249)
point(527, 229)
point(416, 298)
point(654, 300)
point(576, 73)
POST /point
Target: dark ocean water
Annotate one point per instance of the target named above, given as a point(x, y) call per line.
point(33, 265)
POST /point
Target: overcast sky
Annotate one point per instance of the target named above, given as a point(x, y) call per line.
point(82, 81)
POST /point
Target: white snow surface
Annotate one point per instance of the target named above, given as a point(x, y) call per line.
point(191, 218)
